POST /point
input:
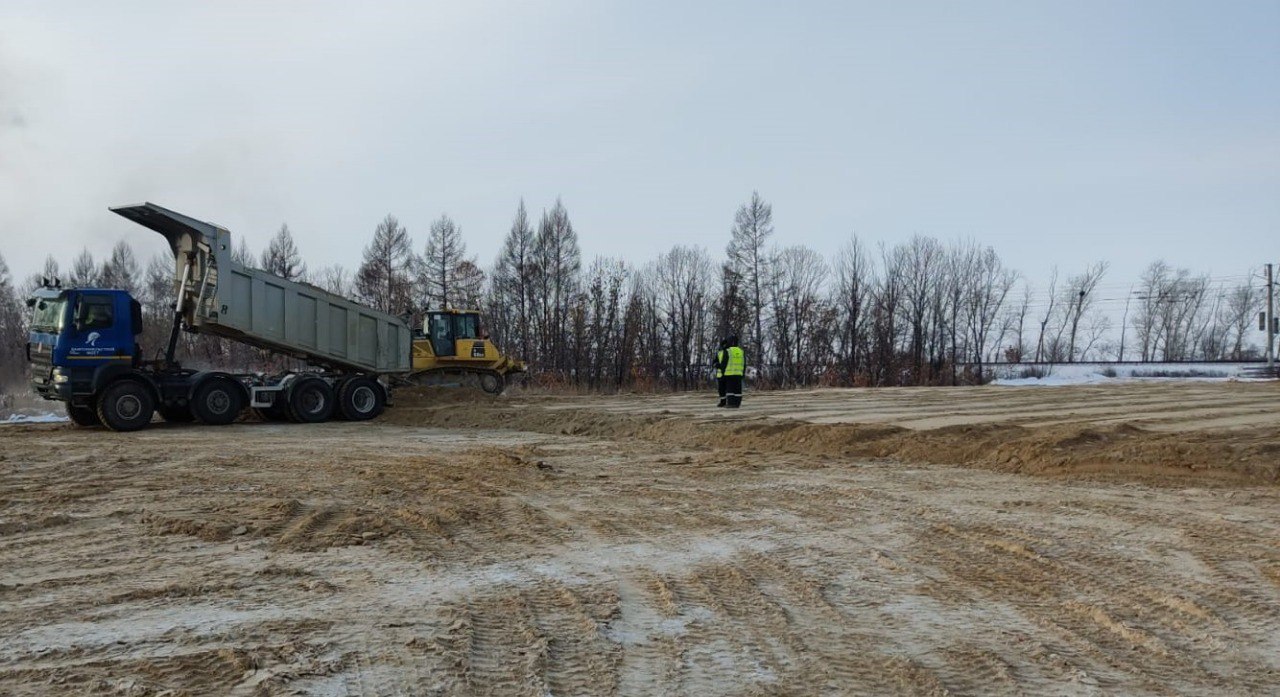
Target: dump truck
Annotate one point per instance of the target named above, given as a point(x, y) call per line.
point(83, 345)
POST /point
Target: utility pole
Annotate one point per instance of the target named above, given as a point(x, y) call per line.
point(1271, 328)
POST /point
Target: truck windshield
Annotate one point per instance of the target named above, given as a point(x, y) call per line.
point(48, 315)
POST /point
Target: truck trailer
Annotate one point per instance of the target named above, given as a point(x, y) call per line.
point(84, 352)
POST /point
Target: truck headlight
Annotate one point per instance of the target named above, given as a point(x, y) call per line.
point(60, 377)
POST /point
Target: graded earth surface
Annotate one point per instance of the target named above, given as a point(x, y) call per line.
point(1109, 539)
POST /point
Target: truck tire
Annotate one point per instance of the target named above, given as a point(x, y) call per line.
point(83, 416)
point(217, 402)
point(310, 401)
point(126, 405)
point(176, 415)
point(361, 399)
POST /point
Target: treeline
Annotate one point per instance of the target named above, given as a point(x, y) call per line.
point(918, 312)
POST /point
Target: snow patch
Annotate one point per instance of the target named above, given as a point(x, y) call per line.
point(1111, 373)
point(45, 418)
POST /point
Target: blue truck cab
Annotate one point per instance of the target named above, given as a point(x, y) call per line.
point(84, 352)
point(79, 339)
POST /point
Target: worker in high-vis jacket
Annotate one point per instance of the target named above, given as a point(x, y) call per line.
point(731, 365)
point(718, 368)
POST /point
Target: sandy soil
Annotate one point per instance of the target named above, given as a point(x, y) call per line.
point(651, 545)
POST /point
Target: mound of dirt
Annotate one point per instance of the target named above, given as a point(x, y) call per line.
point(1119, 451)
point(435, 396)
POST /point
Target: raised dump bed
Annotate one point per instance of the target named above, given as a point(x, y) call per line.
point(223, 297)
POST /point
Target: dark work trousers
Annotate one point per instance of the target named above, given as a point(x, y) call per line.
point(733, 391)
point(720, 388)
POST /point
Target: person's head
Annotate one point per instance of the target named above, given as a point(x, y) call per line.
point(732, 340)
point(98, 316)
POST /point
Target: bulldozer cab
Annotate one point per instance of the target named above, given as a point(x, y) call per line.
point(453, 344)
point(445, 328)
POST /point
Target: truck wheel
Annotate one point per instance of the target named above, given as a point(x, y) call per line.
point(360, 399)
point(82, 416)
point(176, 415)
point(217, 402)
point(126, 405)
point(310, 401)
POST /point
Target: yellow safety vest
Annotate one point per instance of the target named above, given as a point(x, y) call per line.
point(737, 364)
point(719, 360)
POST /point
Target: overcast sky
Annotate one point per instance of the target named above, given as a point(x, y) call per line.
point(1057, 132)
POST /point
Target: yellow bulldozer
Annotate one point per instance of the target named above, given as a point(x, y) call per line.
point(452, 345)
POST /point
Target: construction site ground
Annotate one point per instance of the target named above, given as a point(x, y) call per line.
point(1120, 539)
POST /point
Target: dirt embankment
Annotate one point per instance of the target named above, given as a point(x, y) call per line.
point(1120, 451)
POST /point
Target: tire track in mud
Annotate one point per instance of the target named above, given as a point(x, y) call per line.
point(1149, 635)
point(305, 529)
point(650, 629)
point(837, 652)
point(580, 659)
point(1194, 614)
point(385, 669)
point(218, 669)
point(506, 652)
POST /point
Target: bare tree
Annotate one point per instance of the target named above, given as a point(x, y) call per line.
point(885, 365)
point(281, 256)
point(749, 259)
point(603, 302)
point(1015, 323)
point(84, 271)
point(1180, 310)
point(121, 269)
point(1081, 291)
point(442, 261)
point(514, 276)
point(733, 310)
point(1124, 323)
point(335, 279)
point(12, 329)
point(1242, 303)
point(468, 285)
point(242, 255)
point(51, 269)
point(383, 278)
point(156, 296)
point(988, 285)
point(797, 298)
point(1048, 314)
point(855, 284)
point(559, 262)
point(1171, 321)
point(680, 280)
point(921, 262)
point(1146, 323)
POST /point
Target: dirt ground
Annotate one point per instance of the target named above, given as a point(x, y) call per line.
point(1120, 539)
